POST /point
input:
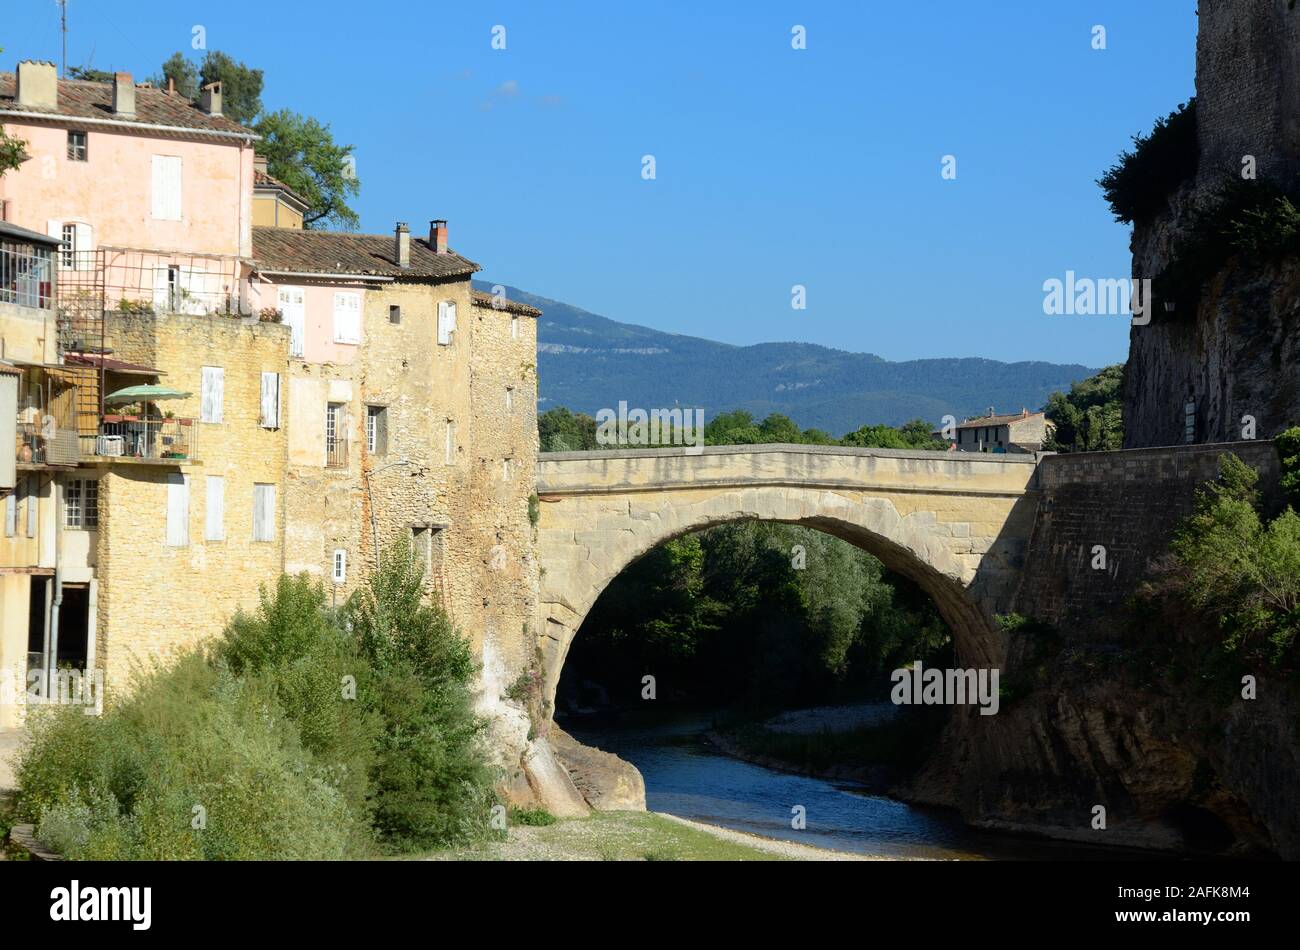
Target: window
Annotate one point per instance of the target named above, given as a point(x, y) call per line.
point(446, 322)
point(212, 394)
point(269, 417)
point(81, 503)
point(77, 150)
point(347, 317)
point(11, 514)
point(510, 399)
point(426, 543)
point(77, 250)
point(377, 430)
point(263, 512)
point(451, 442)
point(394, 313)
point(505, 469)
point(178, 510)
point(214, 512)
point(514, 328)
point(292, 302)
point(166, 188)
point(340, 573)
point(336, 444)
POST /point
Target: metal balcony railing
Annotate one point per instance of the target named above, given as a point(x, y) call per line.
point(336, 453)
point(138, 437)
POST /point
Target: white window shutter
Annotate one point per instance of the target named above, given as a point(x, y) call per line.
point(347, 317)
point(263, 512)
point(166, 187)
point(84, 243)
point(214, 513)
point(162, 289)
point(446, 321)
point(212, 394)
point(11, 514)
point(33, 500)
point(270, 402)
point(178, 510)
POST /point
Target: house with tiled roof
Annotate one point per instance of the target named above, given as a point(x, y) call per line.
point(199, 402)
point(1019, 432)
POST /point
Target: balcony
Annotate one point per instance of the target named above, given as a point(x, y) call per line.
point(159, 441)
point(336, 453)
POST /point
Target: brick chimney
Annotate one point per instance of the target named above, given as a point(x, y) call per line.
point(438, 236)
point(402, 245)
point(261, 164)
point(123, 96)
point(211, 101)
point(38, 85)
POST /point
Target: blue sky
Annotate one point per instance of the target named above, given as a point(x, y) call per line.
point(774, 166)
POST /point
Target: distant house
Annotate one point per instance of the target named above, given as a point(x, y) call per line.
point(1022, 432)
point(275, 204)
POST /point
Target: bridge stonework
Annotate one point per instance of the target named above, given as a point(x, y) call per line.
point(956, 523)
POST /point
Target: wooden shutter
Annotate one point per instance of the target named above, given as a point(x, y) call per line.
point(166, 187)
point(214, 513)
point(270, 402)
point(212, 395)
point(33, 499)
point(84, 245)
point(347, 317)
point(446, 321)
point(263, 512)
point(178, 510)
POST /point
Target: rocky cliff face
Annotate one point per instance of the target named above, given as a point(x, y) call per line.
point(1171, 770)
point(1232, 353)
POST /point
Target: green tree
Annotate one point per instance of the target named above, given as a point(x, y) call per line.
point(559, 430)
point(1240, 571)
point(89, 74)
point(1089, 418)
point(241, 86)
point(183, 74)
point(302, 153)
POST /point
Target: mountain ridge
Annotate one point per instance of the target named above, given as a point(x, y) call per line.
point(587, 361)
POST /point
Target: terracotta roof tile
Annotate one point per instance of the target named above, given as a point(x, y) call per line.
point(80, 99)
point(482, 299)
point(265, 180)
point(342, 252)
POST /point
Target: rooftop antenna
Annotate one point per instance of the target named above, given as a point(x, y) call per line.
point(63, 28)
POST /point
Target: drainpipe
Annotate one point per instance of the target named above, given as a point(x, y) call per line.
point(52, 658)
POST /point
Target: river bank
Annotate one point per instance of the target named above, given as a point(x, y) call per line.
point(639, 836)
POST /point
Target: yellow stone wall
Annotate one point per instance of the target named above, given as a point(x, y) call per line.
point(154, 598)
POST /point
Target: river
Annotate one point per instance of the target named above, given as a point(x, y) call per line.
point(686, 776)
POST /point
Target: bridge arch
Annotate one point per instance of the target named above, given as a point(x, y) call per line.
point(955, 523)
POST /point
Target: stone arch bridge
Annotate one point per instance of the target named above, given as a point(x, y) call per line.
point(956, 523)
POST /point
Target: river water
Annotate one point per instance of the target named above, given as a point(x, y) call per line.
point(686, 776)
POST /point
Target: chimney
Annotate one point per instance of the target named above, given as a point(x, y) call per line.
point(438, 236)
point(402, 245)
point(261, 164)
point(171, 86)
point(211, 101)
point(38, 85)
point(123, 95)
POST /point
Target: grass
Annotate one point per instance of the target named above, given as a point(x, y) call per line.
point(609, 836)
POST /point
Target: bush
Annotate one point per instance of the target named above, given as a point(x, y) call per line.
point(1238, 570)
point(196, 764)
point(1288, 450)
point(1138, 186)
point(315, 671)
point(431, 784)
point(296, 736)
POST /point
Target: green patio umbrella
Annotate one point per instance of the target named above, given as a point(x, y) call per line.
point(145, 393)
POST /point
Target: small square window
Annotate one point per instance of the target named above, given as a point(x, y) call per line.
point(394, 313)
point(78, 150)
